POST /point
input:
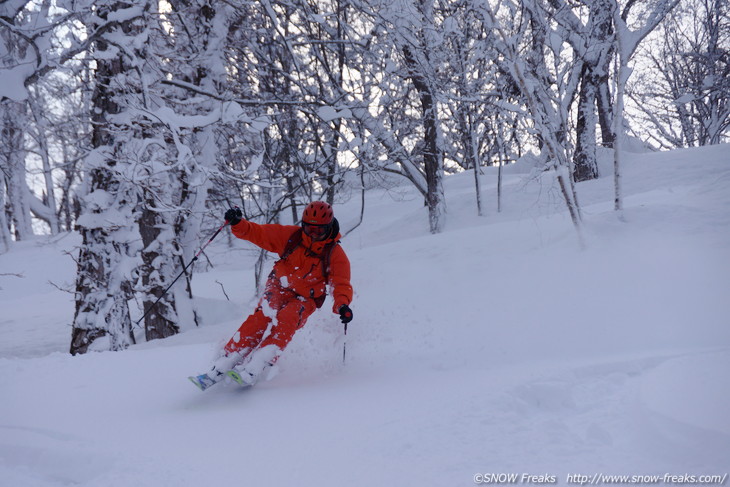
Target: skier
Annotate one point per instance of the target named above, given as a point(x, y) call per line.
point(311, 259)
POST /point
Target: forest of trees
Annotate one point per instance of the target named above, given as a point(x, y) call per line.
point(136, 123)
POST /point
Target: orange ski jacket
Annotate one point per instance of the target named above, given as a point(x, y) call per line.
point(301, 271)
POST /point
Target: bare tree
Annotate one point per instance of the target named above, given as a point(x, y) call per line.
point(12, 161)
point(588, 27)
point(628, 40)
point(15, 50)
point(46, 208)
point(400, 72)
point(547, 80)
point(685, 94)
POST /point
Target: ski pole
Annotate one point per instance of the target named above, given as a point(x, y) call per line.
point(182, 272)
point(344, 346)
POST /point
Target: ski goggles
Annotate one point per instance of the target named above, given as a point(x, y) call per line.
point(316, 232)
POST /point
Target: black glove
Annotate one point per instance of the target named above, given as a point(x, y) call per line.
point(345, 314)
point(233, 216)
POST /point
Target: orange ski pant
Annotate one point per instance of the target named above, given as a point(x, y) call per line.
point(291, 311)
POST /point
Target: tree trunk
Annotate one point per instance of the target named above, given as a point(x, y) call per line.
point(107, 258)
point(5, 237)
point(51, 215)
point(160, 321)
point(101, 292)
point(605, 110)
point(432, 155)
point(585, 166)
point(12, 152)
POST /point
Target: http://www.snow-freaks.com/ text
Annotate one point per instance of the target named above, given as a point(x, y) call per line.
point(600, 479)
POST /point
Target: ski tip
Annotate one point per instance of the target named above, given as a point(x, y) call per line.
point(236, 377)
point(194, 380)
point(198, 382)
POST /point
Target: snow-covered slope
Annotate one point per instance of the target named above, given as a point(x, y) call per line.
point(500, 346)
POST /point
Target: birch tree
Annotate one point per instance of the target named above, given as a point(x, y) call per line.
point(628, 40)
point(588, 27)
point(37, 40)
point(482, 104)
point(546, 79)
point(470, 83)
point(5, 238)
point(13, 118)
point(46, 208)
point(15, 53)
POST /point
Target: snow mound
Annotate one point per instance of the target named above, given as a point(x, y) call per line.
point(688, 399)
point(498, 346)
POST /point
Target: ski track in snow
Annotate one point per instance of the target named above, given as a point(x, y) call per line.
point(498, 346)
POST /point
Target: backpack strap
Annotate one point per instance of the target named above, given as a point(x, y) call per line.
point(294, 241)
point(326, 257)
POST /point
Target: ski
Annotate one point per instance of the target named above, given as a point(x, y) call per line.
point(204, 381)
point(236, 376)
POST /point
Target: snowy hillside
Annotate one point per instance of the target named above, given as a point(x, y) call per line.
point(497, 347)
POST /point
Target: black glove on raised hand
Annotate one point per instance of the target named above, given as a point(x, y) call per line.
point(233, 216)
point(345, 314)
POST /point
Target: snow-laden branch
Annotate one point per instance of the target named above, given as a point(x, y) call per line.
point(395, 150)
point(629, 39)
point(547, 108)
point(45, 63)
point(256, 103)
